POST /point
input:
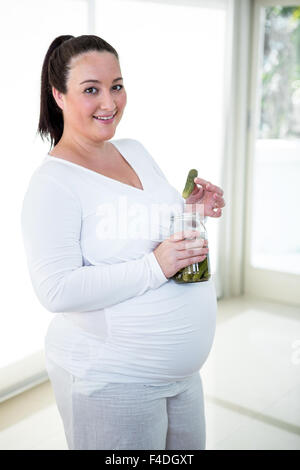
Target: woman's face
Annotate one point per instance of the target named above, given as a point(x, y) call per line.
point(84, 101)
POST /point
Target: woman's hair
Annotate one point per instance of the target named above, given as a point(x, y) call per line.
point(55, 72)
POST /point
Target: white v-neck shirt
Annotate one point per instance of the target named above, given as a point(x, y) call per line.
point(89, 247)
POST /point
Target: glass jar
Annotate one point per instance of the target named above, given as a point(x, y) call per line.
point(196, 272)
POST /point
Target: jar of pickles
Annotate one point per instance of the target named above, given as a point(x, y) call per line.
point(196, 272)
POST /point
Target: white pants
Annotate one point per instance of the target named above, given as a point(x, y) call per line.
point(129, 415)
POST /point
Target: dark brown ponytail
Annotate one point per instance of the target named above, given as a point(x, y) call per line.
point(55, 72)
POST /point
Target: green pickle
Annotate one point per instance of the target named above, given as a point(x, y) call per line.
point(196, 277)
point(190, 184)
point(186, 277)
point(202, 273)
point(202, 268)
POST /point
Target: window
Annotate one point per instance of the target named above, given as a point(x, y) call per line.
point(27, 29)
point(273, 249)
point(276, 227)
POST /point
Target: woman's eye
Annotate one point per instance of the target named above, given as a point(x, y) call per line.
point(119, 86)
point(91, 88)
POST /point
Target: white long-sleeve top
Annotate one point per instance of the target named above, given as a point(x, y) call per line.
point(89, 241)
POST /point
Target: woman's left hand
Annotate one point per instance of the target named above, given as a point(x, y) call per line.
point(209, 195)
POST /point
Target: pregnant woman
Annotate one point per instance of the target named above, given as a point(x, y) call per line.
point(126, 343)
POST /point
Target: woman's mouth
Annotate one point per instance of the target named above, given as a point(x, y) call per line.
point(105, 119)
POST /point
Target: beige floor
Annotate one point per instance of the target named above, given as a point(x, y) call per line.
point(251, 383)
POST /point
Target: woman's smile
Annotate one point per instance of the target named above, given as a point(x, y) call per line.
point(105, 119)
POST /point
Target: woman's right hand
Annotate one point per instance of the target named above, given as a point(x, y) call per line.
point(178, 251)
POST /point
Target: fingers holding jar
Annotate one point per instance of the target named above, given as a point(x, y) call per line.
point(189, 249)
point(178, 252)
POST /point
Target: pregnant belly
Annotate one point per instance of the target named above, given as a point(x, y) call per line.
point(161, 336)
point(165, 334)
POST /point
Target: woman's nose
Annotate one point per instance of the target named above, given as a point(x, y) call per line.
point(107, 101)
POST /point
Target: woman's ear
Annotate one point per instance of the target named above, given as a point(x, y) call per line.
point(58, 96)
